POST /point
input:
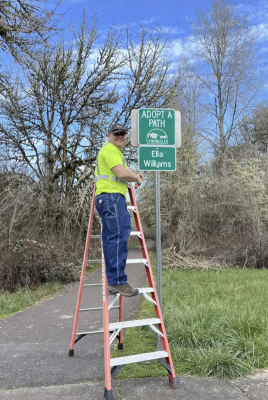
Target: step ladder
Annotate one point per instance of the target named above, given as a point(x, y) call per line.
point(114, 330)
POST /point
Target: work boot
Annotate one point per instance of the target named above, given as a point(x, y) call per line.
point(124, 290)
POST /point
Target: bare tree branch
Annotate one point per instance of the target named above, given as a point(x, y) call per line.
point(25, 24)
point(225, 48)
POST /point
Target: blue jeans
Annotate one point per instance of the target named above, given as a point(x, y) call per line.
point(116, 228)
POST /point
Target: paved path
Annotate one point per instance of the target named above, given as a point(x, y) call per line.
point(254, 388)
point(35, 342)
point(34, 362)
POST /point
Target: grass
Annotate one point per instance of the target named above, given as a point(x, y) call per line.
point(10, 303)
point(216, 324)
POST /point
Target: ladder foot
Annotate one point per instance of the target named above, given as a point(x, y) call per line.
point(174, 382)
point(108, 394)
point(120, 346)
point(71, 353)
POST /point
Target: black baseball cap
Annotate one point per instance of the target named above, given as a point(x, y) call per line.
point(117, 129)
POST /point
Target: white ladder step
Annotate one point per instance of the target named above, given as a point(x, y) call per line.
point(135, 233)
point(92, 284)
point(129, 324)
point(129, 261)
point(88, 333)
point(133, 208)
point(136, 261)
point(141, 290)
point(96, 308)
point(139, 357)
point(145, 290)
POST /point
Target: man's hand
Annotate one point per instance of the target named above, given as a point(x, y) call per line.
point(125, 174)
point(140, 179)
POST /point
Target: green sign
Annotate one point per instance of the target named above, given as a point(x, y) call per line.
point(152, 158)
point(156, 127)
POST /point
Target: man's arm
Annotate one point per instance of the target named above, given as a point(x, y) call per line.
point(126, 175)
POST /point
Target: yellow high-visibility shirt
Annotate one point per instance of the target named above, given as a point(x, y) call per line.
point(108, 157)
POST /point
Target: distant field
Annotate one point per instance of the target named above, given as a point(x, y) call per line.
point(216, 324)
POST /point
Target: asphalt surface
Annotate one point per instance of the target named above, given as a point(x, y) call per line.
point(34, 363)
point(36, 341)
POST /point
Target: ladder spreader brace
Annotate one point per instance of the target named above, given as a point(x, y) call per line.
point(114, 330)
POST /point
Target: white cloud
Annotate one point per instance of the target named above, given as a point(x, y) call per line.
point(182, 48)
point(189, 19)
point(258, 17)
point(175, 49)
point(261, 30)
point(255, 13)
point(171, 30)
point(119, 27)
point(174, 66)
point(149, 21)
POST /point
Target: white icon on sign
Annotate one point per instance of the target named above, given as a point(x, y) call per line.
point(156, 136)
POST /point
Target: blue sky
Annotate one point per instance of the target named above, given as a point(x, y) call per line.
point(175, 15)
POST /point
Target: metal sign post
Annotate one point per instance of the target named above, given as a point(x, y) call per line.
point(157, 133)
point(158, 246)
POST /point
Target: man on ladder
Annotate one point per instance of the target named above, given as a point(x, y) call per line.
point(112, 176)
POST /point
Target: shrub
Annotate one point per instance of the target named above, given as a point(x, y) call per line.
point(219, 216)
point(27, 263)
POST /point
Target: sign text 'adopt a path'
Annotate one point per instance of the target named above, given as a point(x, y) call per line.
point(156, 127)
